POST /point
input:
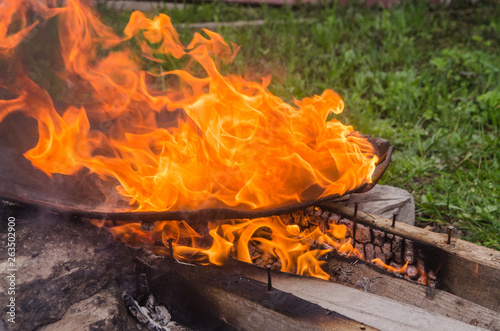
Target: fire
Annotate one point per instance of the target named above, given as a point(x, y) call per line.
point(267, 240)
point(14, 25)
point(184, 138)
point(401, 270)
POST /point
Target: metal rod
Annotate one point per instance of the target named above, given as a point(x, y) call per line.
point(450, 232)
point(354, 221)
point(269, 283)
point(394, 216)
point(170, 247)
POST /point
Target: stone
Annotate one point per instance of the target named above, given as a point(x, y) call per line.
point(67, 276)
point(384, 200)
point(97, 311)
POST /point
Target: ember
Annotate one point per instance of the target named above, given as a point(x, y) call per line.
point(266, 242)
point(297, 243)
point(201, 140)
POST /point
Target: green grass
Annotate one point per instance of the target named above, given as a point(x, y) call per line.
point(423, 76)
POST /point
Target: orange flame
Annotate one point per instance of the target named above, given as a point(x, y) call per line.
point(295, 251)
point(14, 23)
point(387, 267)
point(234, 143)
point(185, 138)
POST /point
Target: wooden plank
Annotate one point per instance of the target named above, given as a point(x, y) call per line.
point(246, 314)
point(227, 290)
point(373, 310)
point(469, 271)
point(240, 301)
point(372, 280)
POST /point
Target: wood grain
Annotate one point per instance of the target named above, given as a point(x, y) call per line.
point(469, 271)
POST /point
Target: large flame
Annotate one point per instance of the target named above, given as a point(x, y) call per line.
point(185, 138)
point(233, 143)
